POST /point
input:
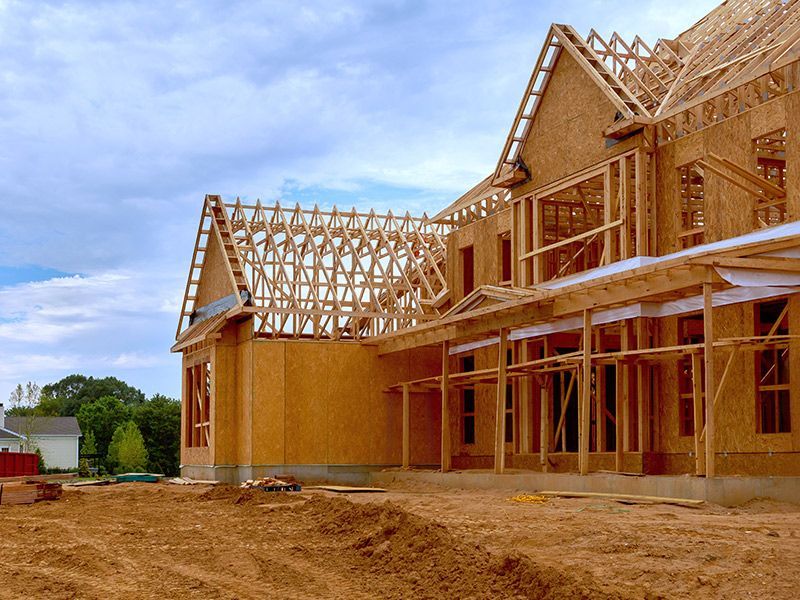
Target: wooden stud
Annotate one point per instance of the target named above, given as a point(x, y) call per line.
point(708, 359)
point(500, 413)
point(406, 425)
point(445, 394)
point(586, 383)
point(697, 401)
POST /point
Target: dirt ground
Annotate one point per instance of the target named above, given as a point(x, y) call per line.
point(165, 541)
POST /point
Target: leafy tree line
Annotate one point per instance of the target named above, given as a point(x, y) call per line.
point(129, 431)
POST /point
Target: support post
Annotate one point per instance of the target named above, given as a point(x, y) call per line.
point(619, 429)
point(500, 412)
point(697, 399)
point(642, 391)
point(525, 387)
point(586, 393)
point(624, 408)
point(445, 406)
point(406, 425)
point(600, 398)
point(544, 424)
point(708, 330)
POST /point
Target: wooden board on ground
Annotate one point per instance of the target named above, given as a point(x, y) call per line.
point(90, 483)
point(190, 481)
point(38, 477)
point(628, 498)
point(345, 489)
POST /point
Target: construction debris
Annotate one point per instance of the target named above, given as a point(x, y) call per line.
point(271, 484)
point(346, 489)
point(190, 481)
point(28, 492)
point(628, 498)
point(529, 499)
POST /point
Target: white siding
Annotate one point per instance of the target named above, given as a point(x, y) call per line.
point(12, 445)
point(58, 451)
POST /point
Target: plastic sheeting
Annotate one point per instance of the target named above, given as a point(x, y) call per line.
point(632, 311)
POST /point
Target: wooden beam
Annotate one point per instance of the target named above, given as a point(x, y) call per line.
point(586, 392)
point(500, 413)
point(708, 358)
point(697, 401)
point(624, 409)
point(525, 409)
point(642, 399)
point(445, 386)
point(619, 430)
point(406, 425)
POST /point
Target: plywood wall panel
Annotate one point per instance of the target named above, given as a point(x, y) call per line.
point(215, 282)
point(483, 237)
point(269, 402)
point(244, 402)
point(668, 200)
point(308, 375)
point(728, 208)
point(224, 417)
point(792, 110)
point(567, 133)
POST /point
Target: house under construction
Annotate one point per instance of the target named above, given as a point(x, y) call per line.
point(620, 294)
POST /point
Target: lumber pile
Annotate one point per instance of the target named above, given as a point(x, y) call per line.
point(270, 484)
point(28, 492)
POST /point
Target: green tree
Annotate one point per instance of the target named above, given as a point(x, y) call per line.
point(72, 392)
point(127, 452)
point(102, 417)
point(88, 446)
point(159, 420)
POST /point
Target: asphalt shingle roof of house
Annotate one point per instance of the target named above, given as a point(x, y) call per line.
point(44, 425)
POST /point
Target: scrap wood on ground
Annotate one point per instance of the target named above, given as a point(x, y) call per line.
point(271, 484)
point(628, 498)
point(28, 492)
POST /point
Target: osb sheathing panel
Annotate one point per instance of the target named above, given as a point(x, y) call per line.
point(728, 208)
point(483, 236)
point(224, 405)
point(736, 409)
point(328, 398)
point(567, 133)
point(792, 110)
point(668, 203)
point(776, 464)
point(485, 407)
point(215, 282)
point(244, 388)
point(268, 411)
point(769, 117)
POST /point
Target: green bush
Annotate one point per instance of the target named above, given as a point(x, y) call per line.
point(83, 468)
point(126, 452)
point(42, 465)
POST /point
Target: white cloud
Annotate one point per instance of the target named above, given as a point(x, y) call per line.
point(118, 117)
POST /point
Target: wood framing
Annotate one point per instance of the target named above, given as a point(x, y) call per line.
point(621, 293)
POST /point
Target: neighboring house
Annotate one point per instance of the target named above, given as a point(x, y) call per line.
point(56, 437)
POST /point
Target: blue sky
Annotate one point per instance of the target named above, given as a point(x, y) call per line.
point(117, 117)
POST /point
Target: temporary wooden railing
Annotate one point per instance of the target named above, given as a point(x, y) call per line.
point(612, 201)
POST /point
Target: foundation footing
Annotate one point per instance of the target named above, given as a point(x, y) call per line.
point(726, 491)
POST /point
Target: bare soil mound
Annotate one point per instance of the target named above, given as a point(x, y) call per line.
point(427, 558)
point(237, 495)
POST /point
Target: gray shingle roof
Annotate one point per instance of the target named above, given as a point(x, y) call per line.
point(44, 425)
